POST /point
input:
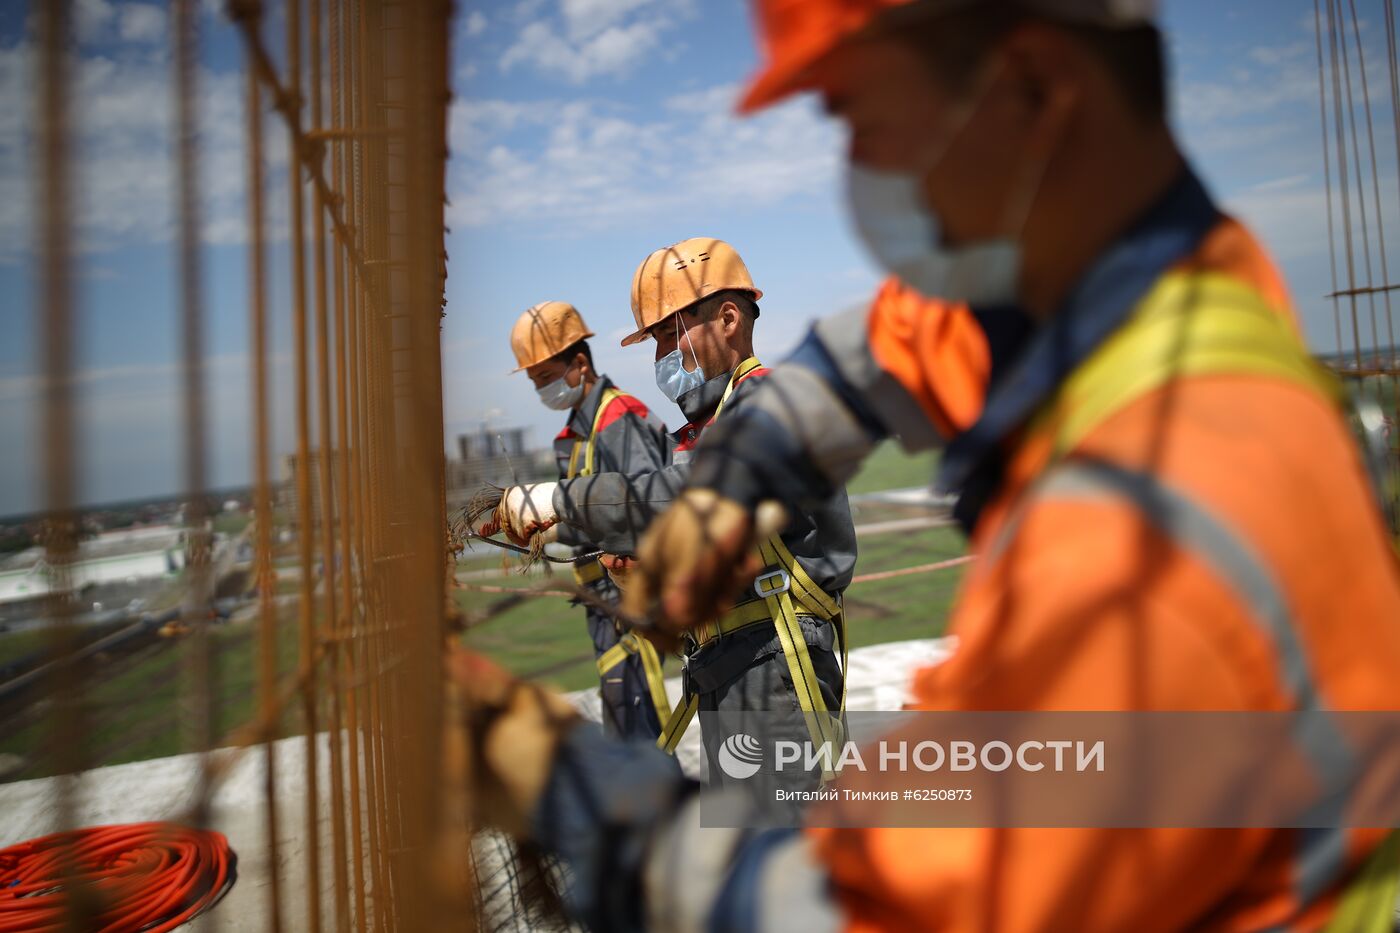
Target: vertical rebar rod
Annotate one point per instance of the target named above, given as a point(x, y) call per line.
point(201, 687)
point(307, 507)
point(347, 671)
point(1333, 6)
point(328, 511)
point(262, 497)
point(1327, 175)
point(1360, 184)
point(54, 319)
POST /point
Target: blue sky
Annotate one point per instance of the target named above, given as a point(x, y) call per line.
point(585, 133)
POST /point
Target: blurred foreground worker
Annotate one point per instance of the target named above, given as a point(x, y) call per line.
point(607, 431)
point(1168, 508)
point(773, 648)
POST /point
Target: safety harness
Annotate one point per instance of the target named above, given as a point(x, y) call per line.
point(630, 643)
point(782, 592)
point(1203, 324)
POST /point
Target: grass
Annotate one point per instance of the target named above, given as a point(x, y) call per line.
point(136, 714)
point(889, 467)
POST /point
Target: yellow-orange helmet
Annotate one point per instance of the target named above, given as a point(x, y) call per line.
point(546, 330)
point(674, 278)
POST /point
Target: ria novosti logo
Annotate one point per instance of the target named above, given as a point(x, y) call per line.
point(740, 756)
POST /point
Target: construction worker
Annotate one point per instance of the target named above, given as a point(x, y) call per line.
point(773, 650)
point(607, 431)
point(1168, 510)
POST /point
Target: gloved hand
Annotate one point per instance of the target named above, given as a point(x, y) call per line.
point(696, 556)
point(525, 512)
point(502, 734)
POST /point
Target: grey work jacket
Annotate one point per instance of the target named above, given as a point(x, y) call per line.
point(612, 510)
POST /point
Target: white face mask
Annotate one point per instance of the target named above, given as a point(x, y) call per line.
point(905, 237)
point(559, 395)
point(672, 378)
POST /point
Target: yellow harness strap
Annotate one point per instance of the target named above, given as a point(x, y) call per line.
point(587, 445)
point(629, 644)
point(1368, 906)
point(1194, 324)
point(676, 725)
point(783, 589)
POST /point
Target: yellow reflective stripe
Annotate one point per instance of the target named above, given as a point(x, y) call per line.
point(675, 727)
point(1192, 324)
point(608, 396)
point(573, 459)
point(1368, 906)
point(740, 371)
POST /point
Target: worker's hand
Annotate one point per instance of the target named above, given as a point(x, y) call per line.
point(502, 734)
point(695, 557)
point(525, 512)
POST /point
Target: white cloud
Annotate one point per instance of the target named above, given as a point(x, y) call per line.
point(591, 164)
point(91, 19)
point(475, 23)
point(124, 169)
point(589, 38)
point(141, 22)
point(589, 17)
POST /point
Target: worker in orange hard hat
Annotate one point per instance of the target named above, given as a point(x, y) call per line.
point(607, 431)
point(1168, 510)
point(774, 650)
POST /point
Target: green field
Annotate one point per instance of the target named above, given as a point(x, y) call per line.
point(135, 714)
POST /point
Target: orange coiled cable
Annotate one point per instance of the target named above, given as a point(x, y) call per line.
point(133, 877)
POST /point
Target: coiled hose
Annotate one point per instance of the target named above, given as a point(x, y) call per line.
point(120, 879)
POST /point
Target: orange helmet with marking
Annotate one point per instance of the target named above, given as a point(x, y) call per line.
point(796, 34)
point(674, 278)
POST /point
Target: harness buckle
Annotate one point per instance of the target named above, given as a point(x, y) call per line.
point(764, 584)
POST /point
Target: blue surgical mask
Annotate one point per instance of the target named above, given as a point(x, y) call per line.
point(559, 395)
point(672, 378)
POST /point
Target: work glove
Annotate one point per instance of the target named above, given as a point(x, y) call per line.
point(502, 735)
point(525, 513)
point(696, 556)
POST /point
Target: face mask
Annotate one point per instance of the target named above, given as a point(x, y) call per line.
point(559, 395)
point(672, 378)
point(905, 237)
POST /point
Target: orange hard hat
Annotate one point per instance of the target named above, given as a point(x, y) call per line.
point(674, 278)
point(546, 330)
point(795, 34)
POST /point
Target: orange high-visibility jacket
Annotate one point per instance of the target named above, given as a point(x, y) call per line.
point(1085, 599)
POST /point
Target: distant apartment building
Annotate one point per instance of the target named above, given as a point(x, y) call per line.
point(495, 455)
